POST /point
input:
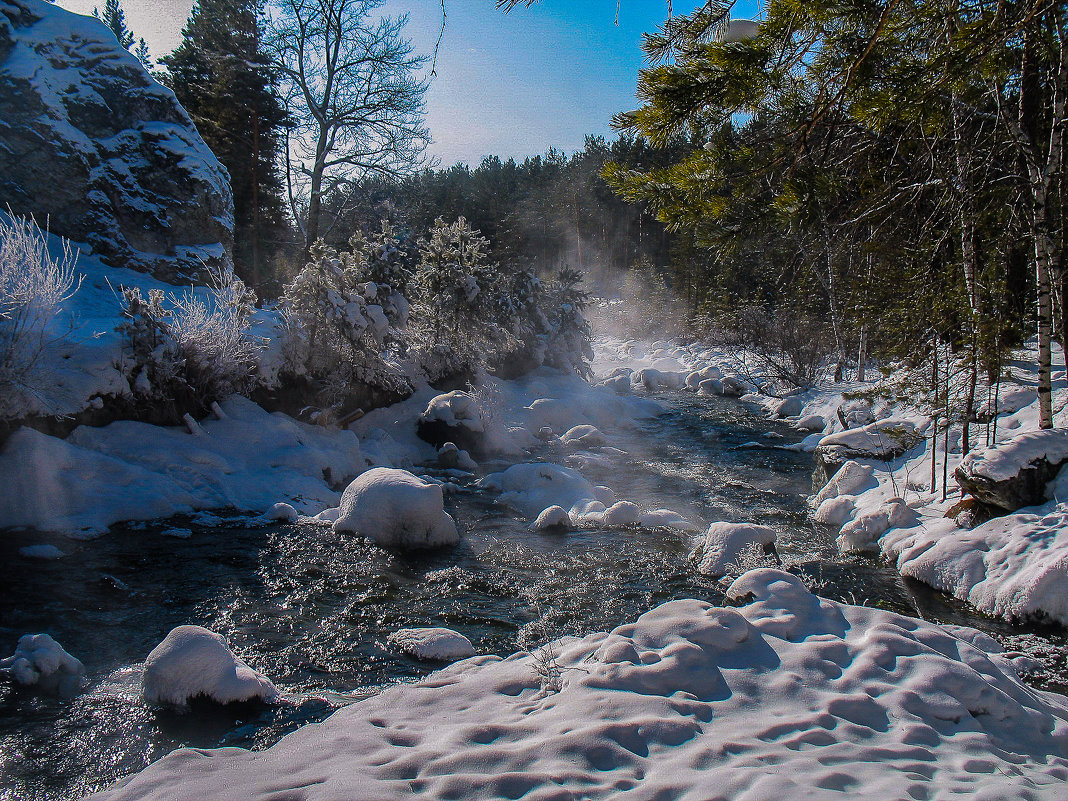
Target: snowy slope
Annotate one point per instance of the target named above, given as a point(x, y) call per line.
point(787, 697)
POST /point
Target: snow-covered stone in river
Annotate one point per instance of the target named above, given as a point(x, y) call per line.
point(850, 479)
point(882, 441)
point(583, 437)
point(93, 144)
point(530, 488)
point(724, 542)
point(437, 644)
point(43, 551)
point(694, 379)
point(787, 696)
point(282, 512)
point(710, 386)
point(1014, 474)
point(555, 517)
point(622, 513)
point(396, 509)
point(41, 662)
point(666, 518)
point(835, 511)
point(455, 417)
point(193, 661)
point(653, 380)
point(452, 458)
point(789, 407)
point(811, 422)
point(735, 386)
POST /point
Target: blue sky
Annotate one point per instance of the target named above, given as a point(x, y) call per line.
point(510, 85)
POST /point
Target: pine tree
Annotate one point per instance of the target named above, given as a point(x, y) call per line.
point(115, 18)
point(143, 55)
point(223, 79)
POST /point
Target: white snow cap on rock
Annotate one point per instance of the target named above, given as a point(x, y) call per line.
point(1005, 460)
point(724, 543)
point(863, 532)
point(193, 661)
point(452, 457)
point(530, 488)
point(553, 517)
point(456, 408)
point(39, 661)
point(784, 698)
point(583, 437)
point(396, 509)
point(282, 512)
point(850, 479)
point(439, 644)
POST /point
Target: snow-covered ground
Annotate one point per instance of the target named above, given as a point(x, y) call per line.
point(786, 696)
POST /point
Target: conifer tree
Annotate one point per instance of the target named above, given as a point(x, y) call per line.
point(223, 79)
point(115, 18)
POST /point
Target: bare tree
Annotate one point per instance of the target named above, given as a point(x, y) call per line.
point(353, 90)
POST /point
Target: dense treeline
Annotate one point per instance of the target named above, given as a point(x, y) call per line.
point(889, 173)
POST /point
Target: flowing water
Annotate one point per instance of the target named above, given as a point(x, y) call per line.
point(312, 609)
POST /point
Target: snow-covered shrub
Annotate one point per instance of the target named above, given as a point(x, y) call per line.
point(198, 344)
point(33, 284)
point(568, 345)
point(340, 328)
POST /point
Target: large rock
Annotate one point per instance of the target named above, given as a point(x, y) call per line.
point(1014, 474)
point(455, 417)
point(90, 142)
point(882, 441)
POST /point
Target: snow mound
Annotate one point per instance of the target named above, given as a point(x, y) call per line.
point(553, 517)
point(455, 409)
point(652, 380)
point(863, 532)
point(788, 407)
point(883, 440)
point(788, 696)
point(851, 478)
point(724, 542)
point(397, 510)
point(438, 644)
point(43, 551)
point(193, 661)
point(41, 662)
point(811, 422)
point(583, 437)
point(694, 379)
point(452, 458)
point(835, 511)
point(282, 512)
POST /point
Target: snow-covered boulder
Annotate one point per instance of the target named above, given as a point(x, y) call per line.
point(396, 509)
point(1014, 474)
point(618, 381)
point(434, 644)
point(811, 422)
point(652, 380)
point(1008, 403)
point(555, 517)
point(452, 458)
point(882, 441)
point(724, 543)
point(455, 417)
point(283, 513)
point(862, 533)
point(789, 407)
point(710, 386)
point(835, 511)
point(622, 513)
point(733, 386)
point(694, 379)
point(193, 661)
point(583, 437)
point(90, 142)
point(850, 479)
point(531, 488)
point(42, 663)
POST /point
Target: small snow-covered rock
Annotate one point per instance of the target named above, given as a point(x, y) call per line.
point(530, 488)
point(653, 380)
point(193, 661)
point(733, 386)
point(1014, 474)
point(724, 542)
point(623, 513)
point(396, 509)
point(583, 437)
point(282, 512)
point(710, 386)
point(452, 458)
point(436, 644)
point(850, 479)
point(41, 662)
point(882, 441)
point(694, 379)
point(835, 511)
point(553, 517)
point(666, 518)
point(863, 532)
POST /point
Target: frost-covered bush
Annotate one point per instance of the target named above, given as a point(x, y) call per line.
point(342, 330)
point(197, 345)
point(33, 284)
point(568, 346)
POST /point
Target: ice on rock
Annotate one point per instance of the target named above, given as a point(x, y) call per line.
point(530, 488)
point(193, 661)
point(724, 542)
point(583, 437)
point(396, 509)
point(437, 644)
point(41, 662)
point(555, 517)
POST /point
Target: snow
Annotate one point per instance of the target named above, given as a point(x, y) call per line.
point(397, 510)
point(724, 543)
point(852, 477)
point(282, 512)
point(1005, 460)
point(46, 552)
point(42, 663)
point(453, 458)
point(786, 696)
point(438, 644)
point(583, 437)
point(531, 488)
point(193, 661)
point(456, 408)
point(884, 439)
point(99, 476)
point(554, 517)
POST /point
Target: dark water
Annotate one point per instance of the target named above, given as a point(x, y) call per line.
point(312, 609)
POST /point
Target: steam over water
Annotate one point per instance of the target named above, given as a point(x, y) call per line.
point(311, 609)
